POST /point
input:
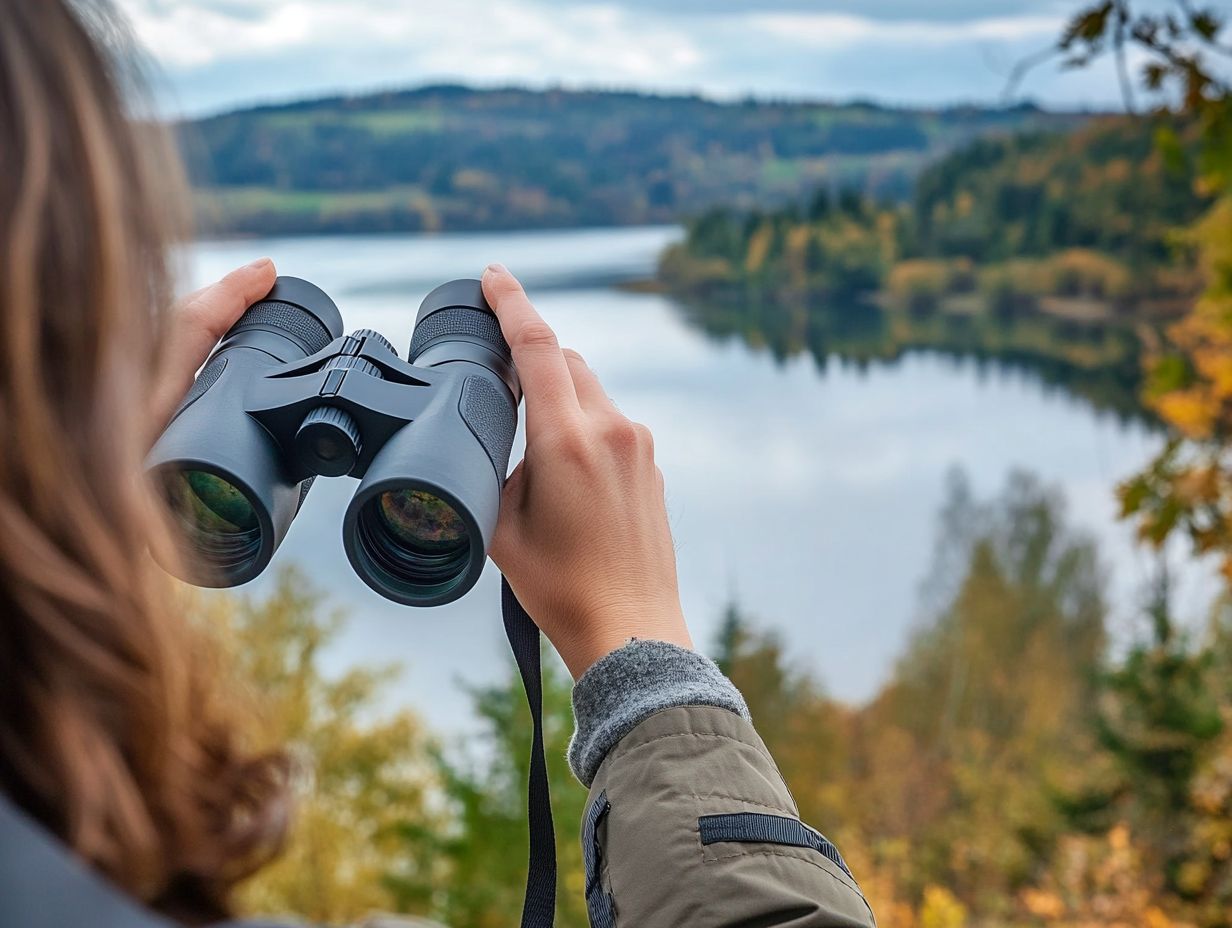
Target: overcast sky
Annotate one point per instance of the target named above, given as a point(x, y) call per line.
point(217, 54)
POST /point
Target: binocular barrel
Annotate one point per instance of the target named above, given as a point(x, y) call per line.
point(285, 397)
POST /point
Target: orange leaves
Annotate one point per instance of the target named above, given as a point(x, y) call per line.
point(1097, 881)
point(1193, 412)
point(1189, 486)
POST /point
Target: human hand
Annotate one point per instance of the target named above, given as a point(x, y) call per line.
point(583, 536)
point(199, 321)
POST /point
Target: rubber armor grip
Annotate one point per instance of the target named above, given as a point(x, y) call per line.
point(488, 411)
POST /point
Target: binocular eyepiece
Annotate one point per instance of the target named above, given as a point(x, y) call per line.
point(286, 397)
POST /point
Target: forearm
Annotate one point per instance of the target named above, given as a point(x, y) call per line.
point(688, 820)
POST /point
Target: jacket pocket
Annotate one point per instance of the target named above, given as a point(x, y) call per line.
point(761, 828)
point(600, 907)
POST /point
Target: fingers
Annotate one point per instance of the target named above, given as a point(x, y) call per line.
point(200, 321)
point(590, 393)
point(546, 380)
point(205, 316)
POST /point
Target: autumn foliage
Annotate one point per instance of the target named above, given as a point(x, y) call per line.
point(1009, 772)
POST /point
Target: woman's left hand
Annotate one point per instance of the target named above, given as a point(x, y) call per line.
point(200, 321)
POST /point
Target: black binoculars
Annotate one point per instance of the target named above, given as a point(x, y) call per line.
point(286, 397)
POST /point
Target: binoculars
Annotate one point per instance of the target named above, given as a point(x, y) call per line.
point(286, 397)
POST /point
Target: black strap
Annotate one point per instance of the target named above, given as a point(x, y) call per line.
point(539, 909)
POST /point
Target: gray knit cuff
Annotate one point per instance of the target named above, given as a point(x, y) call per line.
point(627, 686)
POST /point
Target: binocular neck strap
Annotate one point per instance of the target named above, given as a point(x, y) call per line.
point(539, 909)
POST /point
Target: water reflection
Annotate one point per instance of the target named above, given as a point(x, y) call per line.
point(1099, 362)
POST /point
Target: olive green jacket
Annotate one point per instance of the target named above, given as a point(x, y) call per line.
point(689, 823)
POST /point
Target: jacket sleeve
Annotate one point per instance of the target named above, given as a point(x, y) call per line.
point(688, 821)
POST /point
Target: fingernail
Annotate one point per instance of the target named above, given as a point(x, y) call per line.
point(496, 268)
point(260, 262)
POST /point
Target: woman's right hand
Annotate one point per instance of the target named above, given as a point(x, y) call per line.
point(583, 536)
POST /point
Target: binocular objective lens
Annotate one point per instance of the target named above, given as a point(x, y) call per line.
point(415, 537)
point(220, 521)
point(422, 522)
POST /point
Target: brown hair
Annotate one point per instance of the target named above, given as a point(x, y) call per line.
point(113, 733)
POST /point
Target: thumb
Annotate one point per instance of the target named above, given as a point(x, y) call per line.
point(199, 321)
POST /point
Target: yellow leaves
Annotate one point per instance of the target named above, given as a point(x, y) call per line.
point(892, 913)
point(919, 283)
point(1096, 882)
point(1192, 875)
point(798, 239)
point(1154, 917)
point(1084, 272)
point(1203, 408)
point(1213, 362)
point(1191, 390)
point(1193, 413)
point(759, 248)
point(1042, 904)
point(941, 909)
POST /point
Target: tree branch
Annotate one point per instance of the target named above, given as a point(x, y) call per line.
point(1118, 41)
point(1024, 67)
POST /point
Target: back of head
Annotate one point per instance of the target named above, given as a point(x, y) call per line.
point(111, 733)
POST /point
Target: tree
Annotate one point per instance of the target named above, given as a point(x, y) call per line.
point(1188, 488)
point(361, 776)
point(805, 731)
point(1151, 823)
point(479, 856)
point(940, 792)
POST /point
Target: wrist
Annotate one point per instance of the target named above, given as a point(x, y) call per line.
point(630, 684)
point(589, 641)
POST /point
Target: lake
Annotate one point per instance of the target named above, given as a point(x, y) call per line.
point(805, 488)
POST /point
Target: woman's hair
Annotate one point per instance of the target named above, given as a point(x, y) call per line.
point(113, 731)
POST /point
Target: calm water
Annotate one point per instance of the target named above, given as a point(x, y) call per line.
point(808, 495)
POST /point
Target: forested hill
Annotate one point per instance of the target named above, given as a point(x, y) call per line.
point(450, 157)
point(1088, 216)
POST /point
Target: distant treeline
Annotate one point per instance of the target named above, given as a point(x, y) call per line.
point(452, 157)
point(1081, 223)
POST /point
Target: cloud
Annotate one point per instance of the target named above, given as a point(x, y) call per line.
point(835, 30)
point(487, 39)
point(222, 53)
point(465, 34)
point(881, 10)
